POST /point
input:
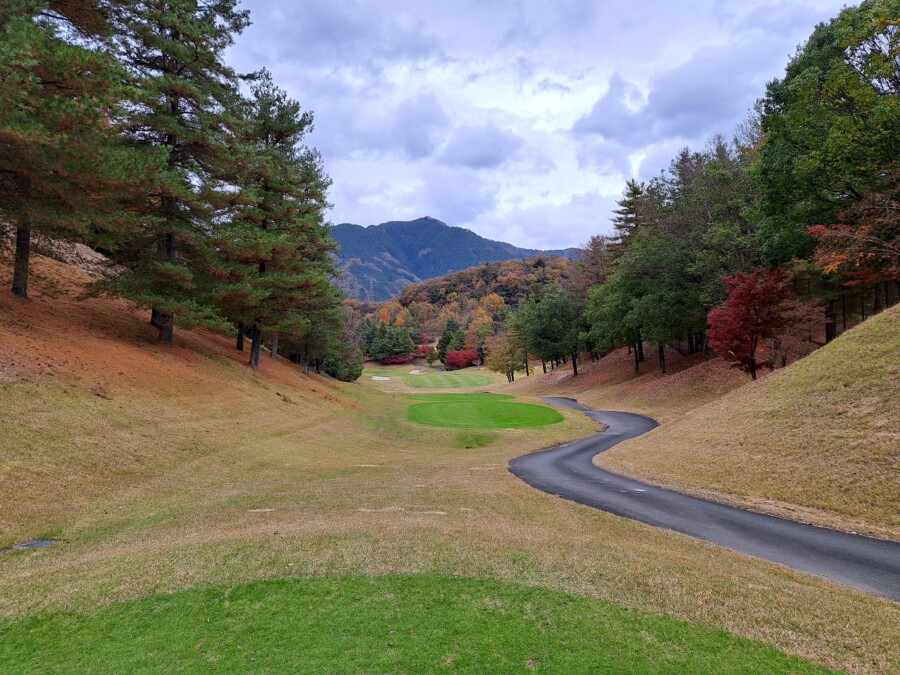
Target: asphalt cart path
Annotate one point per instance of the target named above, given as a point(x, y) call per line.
point(865, 563)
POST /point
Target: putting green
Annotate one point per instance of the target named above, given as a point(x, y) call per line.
point(380, 624)
point(480, 411)
point(447, 380)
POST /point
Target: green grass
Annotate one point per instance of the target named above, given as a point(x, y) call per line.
point(452, 380)
point(469, 439)
point(481, 411)
point(376, 624)
point(433, 379)
point(460, 397)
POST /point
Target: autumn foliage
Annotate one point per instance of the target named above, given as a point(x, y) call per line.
point(760, 306)
point(461, 358)
point(866, 245)
point(398, 359)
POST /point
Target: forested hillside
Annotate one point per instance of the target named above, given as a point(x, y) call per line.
point(124, 129)
point(379, 261)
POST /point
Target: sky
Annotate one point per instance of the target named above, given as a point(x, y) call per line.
point(519, 120)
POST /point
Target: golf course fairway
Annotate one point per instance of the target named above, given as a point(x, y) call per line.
point(479, 411)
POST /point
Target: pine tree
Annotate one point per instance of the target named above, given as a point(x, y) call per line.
point(184, 104)
point(450, 335)
point(593, 267)
point(63, 169)
point(627, 219)
point(274, 247)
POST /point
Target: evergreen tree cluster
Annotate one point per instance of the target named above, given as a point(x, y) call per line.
point(122, 128)
point(389, 343)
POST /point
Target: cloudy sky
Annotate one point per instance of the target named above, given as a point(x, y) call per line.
point(520, 120)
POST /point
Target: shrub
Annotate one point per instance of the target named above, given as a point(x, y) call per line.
point(461, 358)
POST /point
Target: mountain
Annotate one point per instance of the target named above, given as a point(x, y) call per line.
point(380, 260)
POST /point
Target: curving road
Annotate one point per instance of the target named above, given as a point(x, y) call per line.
point(871, 565)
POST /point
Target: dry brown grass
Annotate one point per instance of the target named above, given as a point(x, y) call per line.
point(816, 442)
point(195, 471)
point(610, 383)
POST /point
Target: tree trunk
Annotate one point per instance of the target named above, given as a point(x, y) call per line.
point(240, 336)
point(640, 349)
point(23, 256)
point(843, 312)
point(255, 344)
point(829, 322)
point(527, 374)
point(165, 321)
point(574, 364)
point(544, 366)
point(318, 365)
point(637, 362)
point(274, 352)
point(662, 357)
point(306, 360)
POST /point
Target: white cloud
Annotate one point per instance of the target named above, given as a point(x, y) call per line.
point(518, 119)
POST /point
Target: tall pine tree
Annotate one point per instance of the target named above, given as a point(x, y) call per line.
point(627, 218)
point(277, 271)
point(185, 99)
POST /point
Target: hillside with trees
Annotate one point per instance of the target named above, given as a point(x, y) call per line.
point(123, 129)
point(377, 262)
point(832, 460)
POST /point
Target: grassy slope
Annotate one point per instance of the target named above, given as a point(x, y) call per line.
point(610, 383)
point(164, 469)
point(817, 441)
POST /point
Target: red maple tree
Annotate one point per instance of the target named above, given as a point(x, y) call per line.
point(760, 306)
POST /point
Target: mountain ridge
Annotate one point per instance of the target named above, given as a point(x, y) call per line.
point(378, 261)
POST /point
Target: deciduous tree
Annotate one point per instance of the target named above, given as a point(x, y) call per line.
point(759, 307)
point(831, 126)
